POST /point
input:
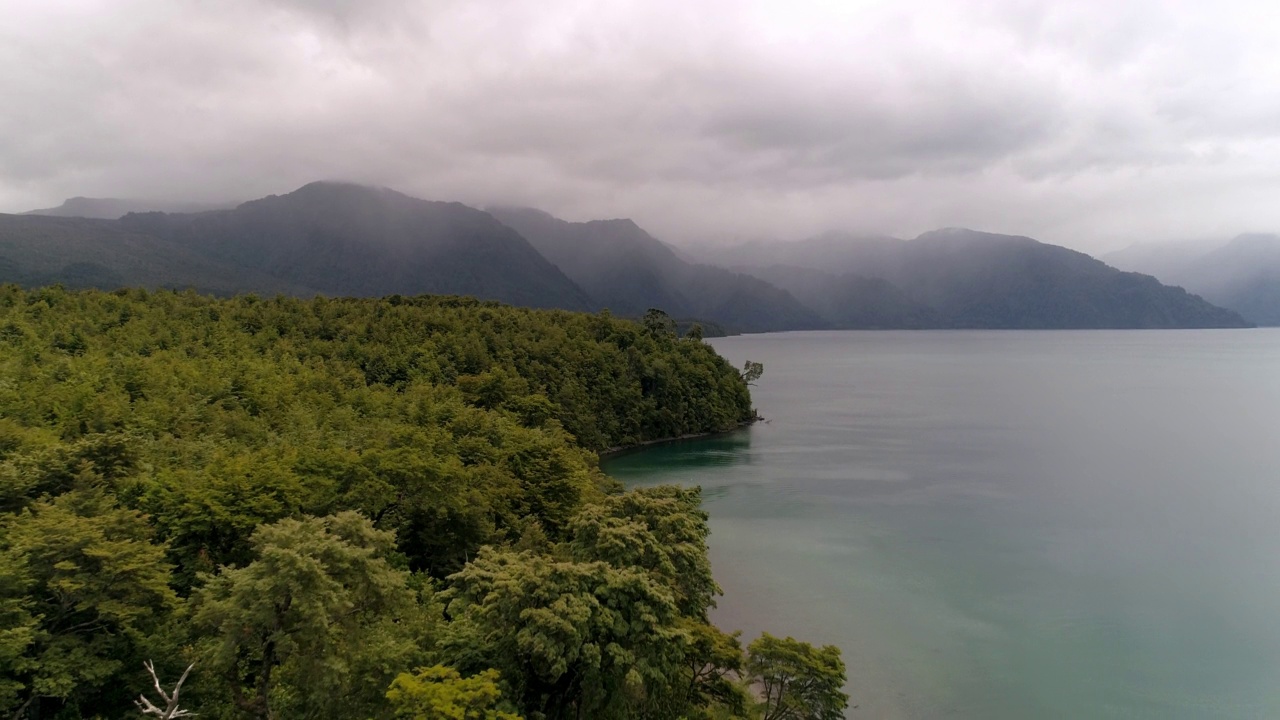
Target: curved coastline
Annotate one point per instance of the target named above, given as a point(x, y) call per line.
point(620, 450)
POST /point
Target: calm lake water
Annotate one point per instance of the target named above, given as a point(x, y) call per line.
point(1007, 524)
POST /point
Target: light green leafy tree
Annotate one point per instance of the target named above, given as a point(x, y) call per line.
point(572, 639)
point(713, 669)
point(663, 530)
point(441, 693)
point(314, 626)
point(82, 587)
point(796, 680)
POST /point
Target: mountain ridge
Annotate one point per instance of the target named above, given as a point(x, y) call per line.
point(338, 238)
point(627, 270)
point(961, 278)
point(348, 239)
point(116, 208)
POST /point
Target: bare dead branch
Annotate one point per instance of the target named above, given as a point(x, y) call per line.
point(171, 709)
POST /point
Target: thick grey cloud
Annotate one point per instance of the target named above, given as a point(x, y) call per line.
point(1091, 124)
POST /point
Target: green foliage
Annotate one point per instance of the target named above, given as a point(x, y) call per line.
point(55, 469)
point(82, 587)
point(657, 323)
point(796, 680)
point(447, 420)
point(611, 624)
point(574, 639)
point(751, 372)
point(441, 693)
point(661, 530)
point(290, 494)
point(289, 632)
point(714, 668)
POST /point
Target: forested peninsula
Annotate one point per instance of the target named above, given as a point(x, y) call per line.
point(361, 508)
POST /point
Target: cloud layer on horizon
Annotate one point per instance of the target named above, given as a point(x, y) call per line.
point(1086, 124)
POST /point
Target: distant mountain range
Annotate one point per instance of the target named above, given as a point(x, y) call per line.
point(343, 239)
point(324, 238)
point(1242, 274)
point(627, 270)
point(957, 278)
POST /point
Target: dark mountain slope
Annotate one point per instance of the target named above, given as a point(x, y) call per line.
point(965, 279)
point(979, 279)
point(627, 270)
point(619, 265)
point(84, 253)
point(343, 239)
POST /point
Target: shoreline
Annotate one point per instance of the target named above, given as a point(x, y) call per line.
point(625, 449)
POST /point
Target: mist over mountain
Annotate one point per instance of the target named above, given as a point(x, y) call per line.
point(327, 238)
point(1164, 261)
point(852, 301)
point(116, 208)
point(832, 252)
point(625, 269)
point(344, 239)
point(1242, 274)
point(616, 262)
point(957, 278)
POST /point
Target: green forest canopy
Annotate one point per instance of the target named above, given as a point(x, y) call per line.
point(354, 508)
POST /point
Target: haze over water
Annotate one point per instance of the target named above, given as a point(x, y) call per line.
point(1007, 524)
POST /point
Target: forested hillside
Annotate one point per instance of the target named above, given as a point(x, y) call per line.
point(357, 509)
point(87, 253)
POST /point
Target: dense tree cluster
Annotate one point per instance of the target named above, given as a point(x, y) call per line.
point(353, 509)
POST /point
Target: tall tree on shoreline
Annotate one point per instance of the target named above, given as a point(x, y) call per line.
point(796, 680)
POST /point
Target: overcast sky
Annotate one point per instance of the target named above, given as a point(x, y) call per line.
point(1088, 124)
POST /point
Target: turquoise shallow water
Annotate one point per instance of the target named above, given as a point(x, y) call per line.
point(1007, 524)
